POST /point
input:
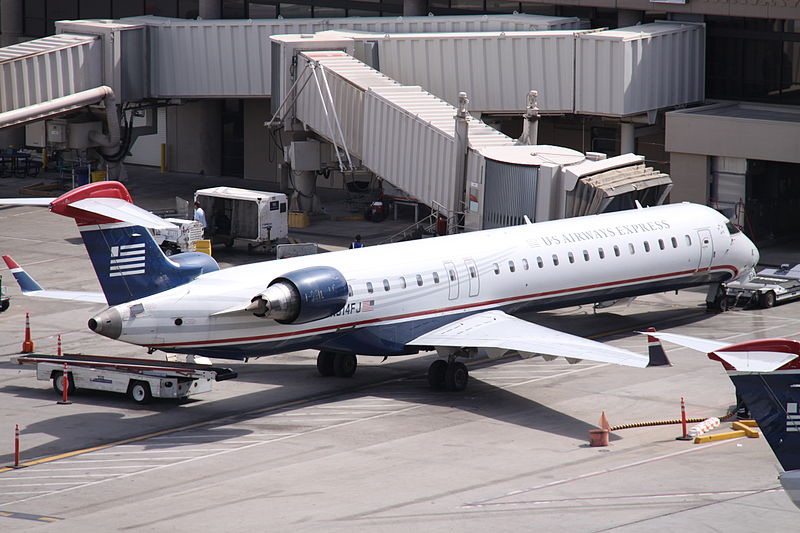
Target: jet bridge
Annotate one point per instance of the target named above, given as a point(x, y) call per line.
point(410, 138)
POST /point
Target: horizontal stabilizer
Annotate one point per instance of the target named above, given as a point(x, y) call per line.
point(119, 209)
point(26, 201)
point(495, 329)
point(762, 355)
point(30, 287)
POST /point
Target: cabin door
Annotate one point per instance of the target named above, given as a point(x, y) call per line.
point(706, 249)
point(472, 275)
point(452, 279)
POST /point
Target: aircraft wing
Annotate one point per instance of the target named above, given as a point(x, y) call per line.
point(496, 329)
point(26, 201)
point(29, 287)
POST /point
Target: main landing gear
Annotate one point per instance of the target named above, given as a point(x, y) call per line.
point(450, 375)
point(341, 365)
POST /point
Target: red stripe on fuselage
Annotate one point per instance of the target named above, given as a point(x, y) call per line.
point(442, 310)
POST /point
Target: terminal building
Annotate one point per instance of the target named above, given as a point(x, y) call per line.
point(706, 91)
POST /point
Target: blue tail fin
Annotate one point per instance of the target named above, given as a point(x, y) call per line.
point(128, 262)
point(773, 399)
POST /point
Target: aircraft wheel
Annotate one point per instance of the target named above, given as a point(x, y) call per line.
point(4, 305)
point(456, 377)
point(58, 383)
point(325, 363)
point(767, 300)
point(139, 391)
point(436, 374)
point(344, 365)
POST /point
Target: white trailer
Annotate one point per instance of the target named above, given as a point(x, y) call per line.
point(258, 218)
point(141, 379)
point(182, 238)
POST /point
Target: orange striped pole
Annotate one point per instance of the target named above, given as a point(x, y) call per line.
point(685, 435)
point(16, 446)
point(59, 346)
point(65, 386)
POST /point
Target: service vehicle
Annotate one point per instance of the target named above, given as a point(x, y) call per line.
point(259, 218)
point(141, 379)
point(5, 301)
point(765, 288)
point(182, 238)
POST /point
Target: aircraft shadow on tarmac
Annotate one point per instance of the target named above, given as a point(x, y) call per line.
point(77, 431)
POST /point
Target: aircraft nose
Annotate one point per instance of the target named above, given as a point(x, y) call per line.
point(108, 323)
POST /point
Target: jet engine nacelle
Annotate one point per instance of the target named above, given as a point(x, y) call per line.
point(302, 296)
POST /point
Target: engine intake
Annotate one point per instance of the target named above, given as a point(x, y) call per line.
point(302, 296)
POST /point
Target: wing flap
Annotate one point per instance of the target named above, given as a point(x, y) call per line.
point(495, 329)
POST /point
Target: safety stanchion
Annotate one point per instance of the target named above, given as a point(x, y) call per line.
point(685, 435)
point(27, 344)
point(64, 387)
point(58, 351)
point(16, 446)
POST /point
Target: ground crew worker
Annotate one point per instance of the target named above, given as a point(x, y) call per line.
point(357, 243)
point(200, 216)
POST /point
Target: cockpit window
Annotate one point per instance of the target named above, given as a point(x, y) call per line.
point(733, 230)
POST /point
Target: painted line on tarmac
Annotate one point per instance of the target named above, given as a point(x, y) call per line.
point(490, 502)
point(26, 516)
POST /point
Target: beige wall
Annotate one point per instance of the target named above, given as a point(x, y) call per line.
point(260, 153)
point(690, 178)
point(194, 137)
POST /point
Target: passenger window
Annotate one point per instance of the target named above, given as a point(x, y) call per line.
point(555, 259)
point(386, 284)
point(631, 248)
point(525, 264)
point(674, 242)
point(646, 246)
point(688, 240)
point(369, 287)
point(349, 290)
point(616, 250)
point(402, 282)
point(436, 277)
point(496, 268)
point(511, 266)
point(601, 253)
point(540, 262)
point(570, 257)
point(452, 274)
point(585, 255)
point(419, 280)
point(661, 243)
point(472, 273)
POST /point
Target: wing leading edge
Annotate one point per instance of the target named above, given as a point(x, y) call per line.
point(496, 329)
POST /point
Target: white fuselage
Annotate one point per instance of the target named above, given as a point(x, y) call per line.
point(400, 291)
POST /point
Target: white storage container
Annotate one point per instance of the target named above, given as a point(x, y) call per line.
point(234, 215)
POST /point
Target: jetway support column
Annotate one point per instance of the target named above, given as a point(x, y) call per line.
point(627, 138)
point(461, 144)
point(10, 22)
point(414, 8)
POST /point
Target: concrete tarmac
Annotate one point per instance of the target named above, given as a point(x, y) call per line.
point(283, 449)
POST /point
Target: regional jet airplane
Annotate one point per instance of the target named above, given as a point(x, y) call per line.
point(455, 294)
point(766, 374)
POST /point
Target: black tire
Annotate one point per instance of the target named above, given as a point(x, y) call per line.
point(457, 377)
point(4, 304)
point(167, 251)
point(767, 300)
point(139, 392)
point(436, 374)
point(325, 363)
point(344, 365)
point(58, 382)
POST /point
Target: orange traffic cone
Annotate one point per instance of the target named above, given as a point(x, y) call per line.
point(604, 422)
point(27, 344)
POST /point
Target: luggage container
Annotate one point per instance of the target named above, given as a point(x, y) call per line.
point(236, 215)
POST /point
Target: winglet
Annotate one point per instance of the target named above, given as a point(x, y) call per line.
point(658, 357)
point(25, 281)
